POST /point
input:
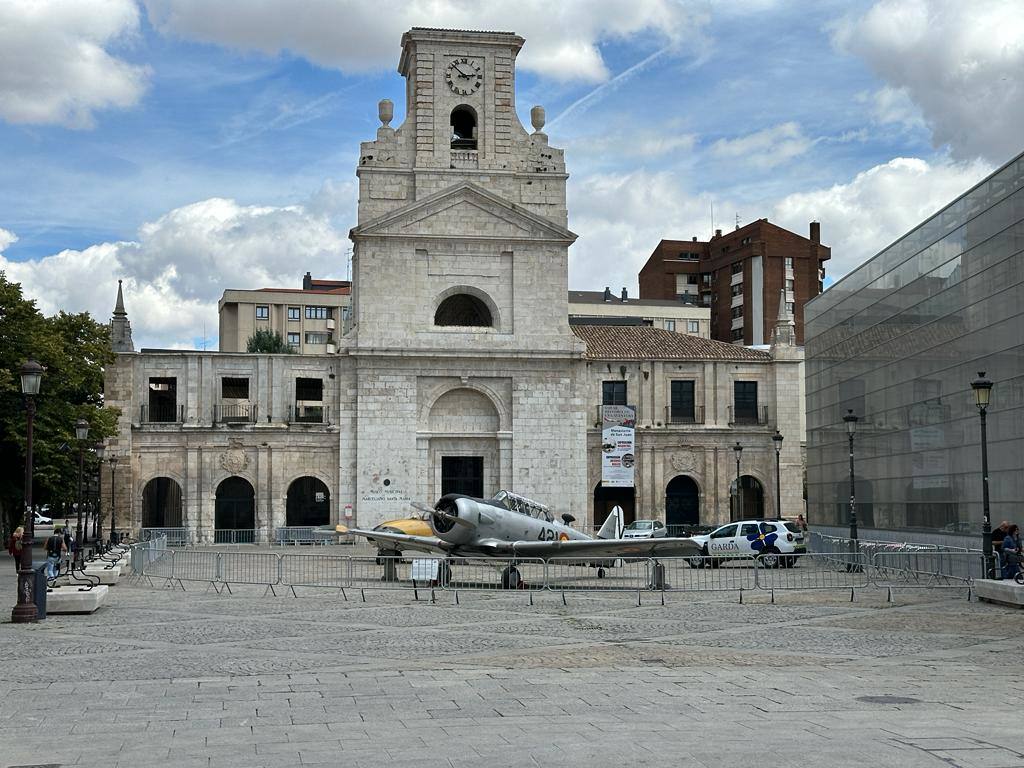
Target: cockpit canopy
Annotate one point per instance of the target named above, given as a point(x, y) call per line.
point(524, 506)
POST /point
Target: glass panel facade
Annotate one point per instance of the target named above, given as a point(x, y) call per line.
point(898, 341)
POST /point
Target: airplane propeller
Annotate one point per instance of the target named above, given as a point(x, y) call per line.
point(419, 506)
point(454, 519)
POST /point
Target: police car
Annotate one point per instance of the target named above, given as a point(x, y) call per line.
point(774, 542)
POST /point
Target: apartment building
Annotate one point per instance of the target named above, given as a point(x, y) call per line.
point(309, 319)
point(739, 276)
point(607, 308)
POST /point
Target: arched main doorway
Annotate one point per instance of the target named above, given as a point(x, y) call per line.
point(161, 503)
point(309, 502)
point(235, 512)
point(607, 497)
point(682, 504)
point(750, 504)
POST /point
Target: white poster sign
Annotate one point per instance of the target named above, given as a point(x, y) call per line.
point(618, 445)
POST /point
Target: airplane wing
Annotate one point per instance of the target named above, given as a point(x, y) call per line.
point(604, 548)
point(402, 541)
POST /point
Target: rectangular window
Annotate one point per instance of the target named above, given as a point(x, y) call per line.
point(745, 401)
point(309, 390)
point(737, 312)
point(737, 334)
point(693, 326)
point(681, 409)
point(706, 278)
point(163, 400)
point(317, 338)
point(670, 325)
point(790, 284)
point(294, 313)
point(262, 312)
point(737, 290)
point(790, 307)
point(737, 267)
point(789, 262)
point(293, 339)
point(745, 241)
point(462, 474)
point(318, 313)
point(234, 388)
point(613, 393)
point(692, 279)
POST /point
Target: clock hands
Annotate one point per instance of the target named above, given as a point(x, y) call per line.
point(458, 68)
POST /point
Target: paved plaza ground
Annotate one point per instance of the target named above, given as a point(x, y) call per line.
point(166, 678)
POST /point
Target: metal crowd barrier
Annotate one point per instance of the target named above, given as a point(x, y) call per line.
point(839, 570)
point(300, 534)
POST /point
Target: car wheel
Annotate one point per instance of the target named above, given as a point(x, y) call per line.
point(695, 562)
point(769, 558)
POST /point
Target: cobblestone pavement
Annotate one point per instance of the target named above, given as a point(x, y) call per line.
point(166, 678)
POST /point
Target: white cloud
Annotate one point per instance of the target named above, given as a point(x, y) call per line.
point(894, 105)
point(6, 239)
point(54, 66)
point(182, 262)
point(351, 35)
point(863, 216)
point(959, 62)
point(766, 148)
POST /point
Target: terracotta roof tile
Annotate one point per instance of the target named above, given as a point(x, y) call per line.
point(642, 342)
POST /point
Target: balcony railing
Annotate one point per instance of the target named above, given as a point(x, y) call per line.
point(161, 414)
point(234, 413)
point(757, 415)
point(682, 416)
point(308, 414)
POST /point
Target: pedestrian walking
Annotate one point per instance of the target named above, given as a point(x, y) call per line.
point(14, 546)
point(55, 549)
point(1011, 552)
point(802, 523)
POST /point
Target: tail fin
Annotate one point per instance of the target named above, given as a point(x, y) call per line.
point(612, 528)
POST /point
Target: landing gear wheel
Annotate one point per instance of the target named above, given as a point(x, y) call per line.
point(769, 558)
point(511, 578)
point(600, 573)
point(389, 559)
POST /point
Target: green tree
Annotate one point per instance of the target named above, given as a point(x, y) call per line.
point(74, 349)
point(265, 340)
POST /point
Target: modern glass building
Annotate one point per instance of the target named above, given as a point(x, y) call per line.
point(898, 341)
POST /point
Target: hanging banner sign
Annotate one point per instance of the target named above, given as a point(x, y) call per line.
point(618, 433)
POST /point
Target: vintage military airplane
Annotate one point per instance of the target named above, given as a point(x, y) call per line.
point(510, 526)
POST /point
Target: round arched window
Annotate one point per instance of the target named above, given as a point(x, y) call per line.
point(463, 309)
point(463, 124)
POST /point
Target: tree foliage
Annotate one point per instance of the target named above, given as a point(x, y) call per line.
point(74, 349)
point(265, 340)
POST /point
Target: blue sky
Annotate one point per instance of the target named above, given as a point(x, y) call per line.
point(189, 146)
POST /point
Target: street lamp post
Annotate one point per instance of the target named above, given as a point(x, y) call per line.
point(82, 434)
point(25, 609)
point(777, 439)
point(851, 428)
point(739, 494)
point(982, 394)
point(99, 450)
point(113, 489)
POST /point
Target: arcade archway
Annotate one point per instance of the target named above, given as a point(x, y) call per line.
point(235, 512)
point(682, 504)
point(750, 503)
point(309, 502)
point(607, 497)
point(161, 503)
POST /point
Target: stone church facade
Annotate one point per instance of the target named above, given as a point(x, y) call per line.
point(460, 370)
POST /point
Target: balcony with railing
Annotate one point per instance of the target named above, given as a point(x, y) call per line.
point(694, 415)
point(161, 414)
point(757, 416)
point(308, 414)
point(234, 413)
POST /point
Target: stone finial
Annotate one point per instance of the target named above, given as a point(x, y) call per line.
point(784, 334)
point(120, 328)
point(537, 118)
point(119, 310)
point(386, 112)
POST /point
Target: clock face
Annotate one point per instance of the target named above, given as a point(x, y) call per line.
point(463, 75)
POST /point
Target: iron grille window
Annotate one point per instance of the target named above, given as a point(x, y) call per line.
point(745, 400)
point(163, 399)
point(234, 388)
point(613, 393)
point(307, 390)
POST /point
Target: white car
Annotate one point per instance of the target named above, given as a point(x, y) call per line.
point(41, 520)
point(774, 542)
point(644, 529)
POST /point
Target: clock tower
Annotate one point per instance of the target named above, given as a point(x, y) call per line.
point(464, 368)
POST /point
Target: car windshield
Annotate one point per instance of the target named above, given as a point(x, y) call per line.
point(792, 527)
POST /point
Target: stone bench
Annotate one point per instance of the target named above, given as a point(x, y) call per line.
point(105, 576)
point(73, 599)
point(1004, 592)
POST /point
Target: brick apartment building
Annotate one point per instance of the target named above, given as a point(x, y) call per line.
point(739, 276)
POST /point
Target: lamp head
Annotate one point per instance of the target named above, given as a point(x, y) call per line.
point(31, 377)
point(777, 439)
point(851, 421)
point(99, 449)
point(982, 391)
point(82, 429)
point(738, 448)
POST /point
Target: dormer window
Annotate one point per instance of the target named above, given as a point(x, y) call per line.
point(463, 127)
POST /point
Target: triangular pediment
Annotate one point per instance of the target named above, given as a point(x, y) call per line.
point(465, 211)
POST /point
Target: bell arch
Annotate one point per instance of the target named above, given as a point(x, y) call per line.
point(465, 306)
point(161, 503)
point(308, 502)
